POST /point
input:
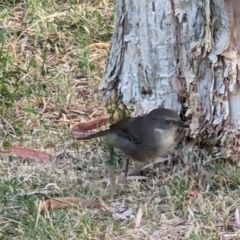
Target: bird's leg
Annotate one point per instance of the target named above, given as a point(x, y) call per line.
point(112, 176)
point(126, 168)
point(123, 178)
point(169, 162)
point(111, 167)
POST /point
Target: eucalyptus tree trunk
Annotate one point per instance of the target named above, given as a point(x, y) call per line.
point(180, 54)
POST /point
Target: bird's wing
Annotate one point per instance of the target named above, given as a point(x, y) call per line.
point(127, 128)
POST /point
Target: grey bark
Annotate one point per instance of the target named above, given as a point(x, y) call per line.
point(164, 52)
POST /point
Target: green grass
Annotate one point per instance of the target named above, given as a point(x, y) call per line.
point(49, 76)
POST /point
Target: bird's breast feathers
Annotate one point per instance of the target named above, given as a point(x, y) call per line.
point(166, 136)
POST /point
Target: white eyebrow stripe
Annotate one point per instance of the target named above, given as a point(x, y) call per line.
point(159, 130)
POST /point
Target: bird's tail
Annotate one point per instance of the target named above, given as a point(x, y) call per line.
point(88, 134)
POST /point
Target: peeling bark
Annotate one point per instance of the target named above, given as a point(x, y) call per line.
point(180, 53)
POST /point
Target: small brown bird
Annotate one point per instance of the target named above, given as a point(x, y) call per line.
point(146, 137)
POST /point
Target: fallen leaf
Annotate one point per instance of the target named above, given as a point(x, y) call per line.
point(191, 214)
point(138, 218)
point(68, 101)
point(30, 153)
point(80, 134)
point(136, 178)
point(98, 45)
point(96, 112)
point(83, 129)
point(237, 217)
point(94, 124)
point(84, 126)
point(78, 112)
point(103, 203)
point(65, 202)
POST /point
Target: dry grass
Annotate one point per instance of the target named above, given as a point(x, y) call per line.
point(52, 57)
